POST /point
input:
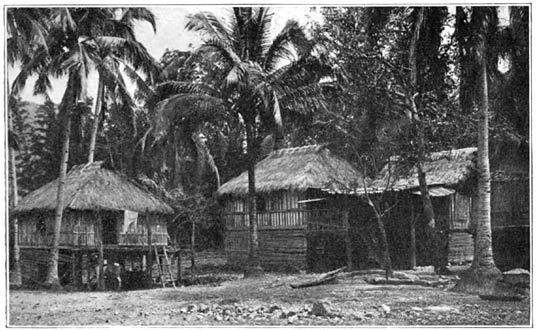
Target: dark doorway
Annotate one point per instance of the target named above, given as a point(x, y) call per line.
point(109, 230)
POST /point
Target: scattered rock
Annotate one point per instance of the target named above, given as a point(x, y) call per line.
point(229, 301)
point(292, 319)
point(203, 308)
point(291, 313)
point(218, 318)
point(439, 309)
point(273, 308)
point(319, 309)
point(192, 307)
point(517, 277)
point(183, 310)
point(386, 309)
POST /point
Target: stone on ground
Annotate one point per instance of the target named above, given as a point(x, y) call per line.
point(319, 309)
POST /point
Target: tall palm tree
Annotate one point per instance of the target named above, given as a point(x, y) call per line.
point(109, 53)
point(483, 272)
point(26, 29)
point(263, 76)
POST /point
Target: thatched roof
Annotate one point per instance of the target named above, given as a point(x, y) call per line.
point(90, 187)
point(300, 168)
point(446, 168)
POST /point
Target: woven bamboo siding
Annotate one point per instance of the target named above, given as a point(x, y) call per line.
point(510, 203)
point(278, 248)
point(79, 229)
point(460, 247)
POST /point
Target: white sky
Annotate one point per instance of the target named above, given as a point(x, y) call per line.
point(171, 34)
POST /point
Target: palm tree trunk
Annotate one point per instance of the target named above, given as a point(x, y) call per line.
point(483, 273)
point(483, 257)
point(17, 276)
point(253, 268)
point(95, 127)
point(69, 98)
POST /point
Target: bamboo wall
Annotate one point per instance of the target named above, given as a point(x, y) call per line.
point(287, 226)
point(510, 203)
point(79, 229)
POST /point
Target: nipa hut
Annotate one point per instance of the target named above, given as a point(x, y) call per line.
point(452, 183)
point(299, 225)
point(103, 211)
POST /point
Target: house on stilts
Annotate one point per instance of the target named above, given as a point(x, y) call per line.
point(104, 213)
point(299, 226)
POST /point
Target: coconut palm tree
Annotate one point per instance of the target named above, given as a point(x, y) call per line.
point(26, 29)
point(263, 78)
point(483, 272)
point(109, 53)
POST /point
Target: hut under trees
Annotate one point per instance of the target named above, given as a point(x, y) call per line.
point(107, 217)
point(314, 214)
point(300, 226)
point(452, 184)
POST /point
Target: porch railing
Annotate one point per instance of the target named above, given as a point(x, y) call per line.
point(315, 219)
point(89, 239)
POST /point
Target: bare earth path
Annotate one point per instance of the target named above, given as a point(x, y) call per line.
point(265, 301)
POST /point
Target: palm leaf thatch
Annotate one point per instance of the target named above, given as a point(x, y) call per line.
point(446, 168)
point(90, 187)
point(299, 169)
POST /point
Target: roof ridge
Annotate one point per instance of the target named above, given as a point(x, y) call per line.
point(313, 148)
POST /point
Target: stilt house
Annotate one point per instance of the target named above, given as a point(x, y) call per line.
point(103, 211)
point(299, 225)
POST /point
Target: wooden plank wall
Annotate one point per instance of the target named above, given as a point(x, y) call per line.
point(278, 248)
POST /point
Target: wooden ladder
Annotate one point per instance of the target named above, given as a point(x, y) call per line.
point(164, 267)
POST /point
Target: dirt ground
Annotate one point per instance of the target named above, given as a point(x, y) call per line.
point(268, 300)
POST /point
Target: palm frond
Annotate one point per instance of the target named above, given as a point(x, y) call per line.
point(180, 87)
point(209, 25)
point(197, 108)
point(143, 88)
point(292, 37)
point(304, 100)
point(220, 48)
point(130, 50)
point(33, 65)
point(139, 14)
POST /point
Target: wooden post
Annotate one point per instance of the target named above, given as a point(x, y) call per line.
point(101, 253)
point(192, 244)
point(150, 252)
point(179, 273)
point(412, 241)
point(347, 239)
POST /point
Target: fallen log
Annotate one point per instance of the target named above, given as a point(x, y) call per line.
point(395, 281)
point(323, 279)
